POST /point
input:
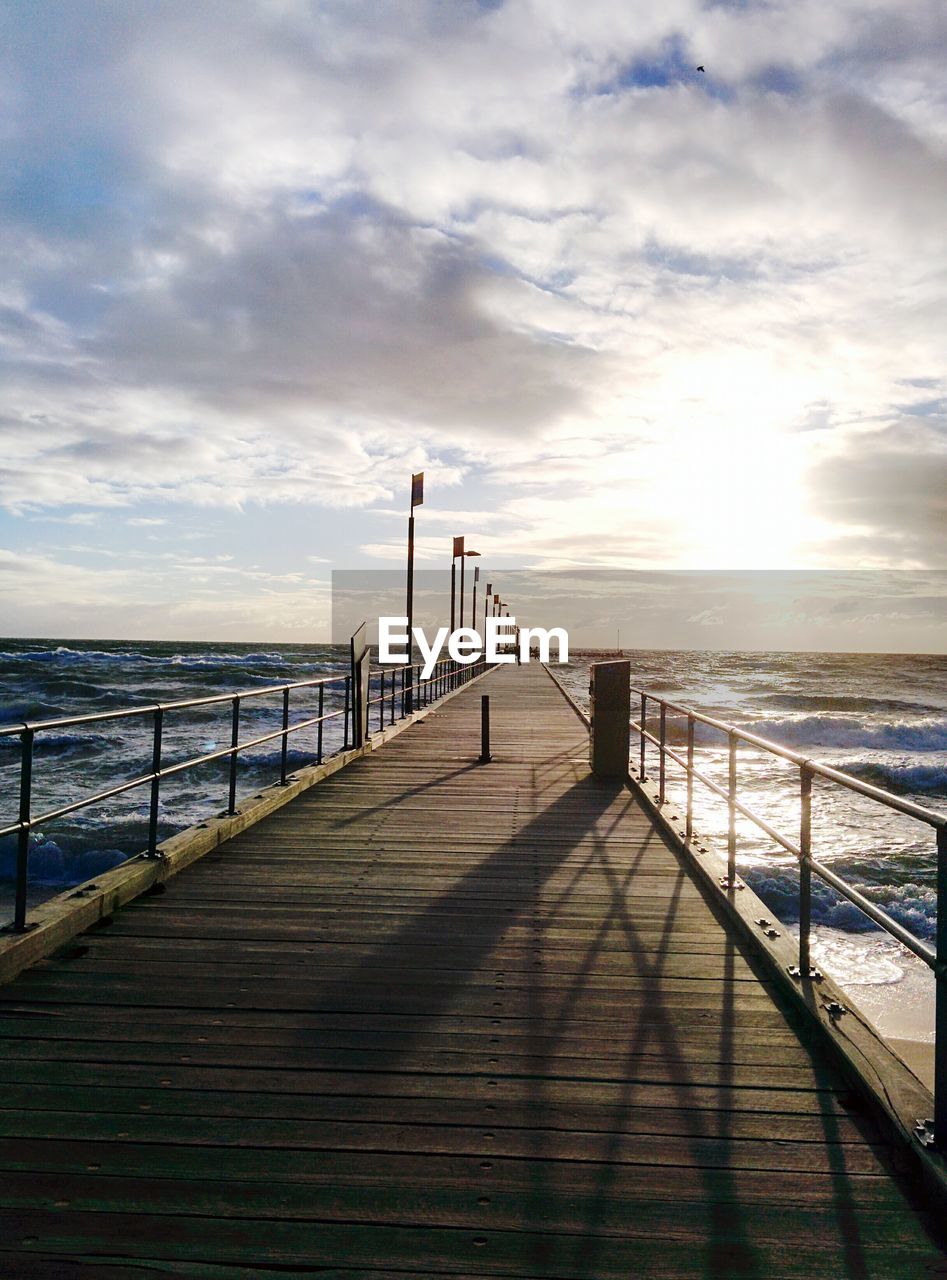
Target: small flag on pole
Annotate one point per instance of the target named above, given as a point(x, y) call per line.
point(417, 490)
point(458, 547)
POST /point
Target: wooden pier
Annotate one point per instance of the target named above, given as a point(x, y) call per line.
point(437, 1018)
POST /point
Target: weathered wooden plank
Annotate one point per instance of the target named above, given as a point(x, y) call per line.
point(614, 1210)
point(512, 1048)
point(727, 1242)
point(821, 1125)
point(634, 1185)
point(634, 1067)
point(691, 1150)
point(555, 1090)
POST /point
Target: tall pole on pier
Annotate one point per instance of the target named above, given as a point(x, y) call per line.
point(417, 498)
point(463, 557)
point(458, 551)
point(473, 597)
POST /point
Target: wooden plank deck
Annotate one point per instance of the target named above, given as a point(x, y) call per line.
point(435, 1019)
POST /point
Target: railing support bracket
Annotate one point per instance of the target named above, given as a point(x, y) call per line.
point(812, 975)
point(924, 1132)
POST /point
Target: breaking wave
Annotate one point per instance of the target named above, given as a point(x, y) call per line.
point(929, 734)
point(902, 779)
point(59, 744)
point(912, 905)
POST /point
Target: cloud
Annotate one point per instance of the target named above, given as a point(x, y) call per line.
point(281, 253)
point(158, 597)
point(350, 310)
point(888, 492)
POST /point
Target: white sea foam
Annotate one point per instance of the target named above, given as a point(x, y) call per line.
point(847, 732)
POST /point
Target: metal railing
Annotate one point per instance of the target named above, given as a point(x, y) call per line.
point(934, 957)
point(399, 690)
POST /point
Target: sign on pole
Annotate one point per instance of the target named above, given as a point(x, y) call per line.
point(417, 490)
point(458, 547)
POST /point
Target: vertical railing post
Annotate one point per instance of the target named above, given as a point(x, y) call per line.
point(732, 812)
point(485, 728)
point(381, 699)
point(23, 836)
point(644, 743)
point(345, 718)
point(940, 1016)
point(322, 704)
point(234, 740)
point(689, 819)
point(662, 759)
point(284, 741)
point(155, 782)
point(805, 869)
point(391, 700)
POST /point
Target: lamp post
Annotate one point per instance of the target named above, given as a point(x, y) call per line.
point(417, 498)
point(463, 557)
point(458, 551)
point(473, 596)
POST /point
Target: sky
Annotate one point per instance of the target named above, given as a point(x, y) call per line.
point(262, 261)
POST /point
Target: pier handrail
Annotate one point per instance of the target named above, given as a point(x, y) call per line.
point(934, 957)
point(408, 686)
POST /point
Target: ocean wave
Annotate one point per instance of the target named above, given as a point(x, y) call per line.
point(270, 760)
point(18, 712)
point(929, 734)
point(59, 744)
point(902, 779)
point(846, 702)
point(66, 656)
point(64, 687)
point(199, 661)
point(912, 905)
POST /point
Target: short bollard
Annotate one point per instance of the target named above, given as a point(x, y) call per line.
point(484, 729)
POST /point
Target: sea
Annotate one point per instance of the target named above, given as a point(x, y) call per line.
point(879, 717)
point(49, 679)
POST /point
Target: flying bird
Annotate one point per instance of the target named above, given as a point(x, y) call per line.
point(701, 69)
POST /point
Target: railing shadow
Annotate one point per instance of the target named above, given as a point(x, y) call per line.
point(456, 941)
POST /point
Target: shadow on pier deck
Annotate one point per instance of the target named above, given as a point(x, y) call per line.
point(435, 1019)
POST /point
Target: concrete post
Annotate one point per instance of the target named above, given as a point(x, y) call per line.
point(609, 740)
